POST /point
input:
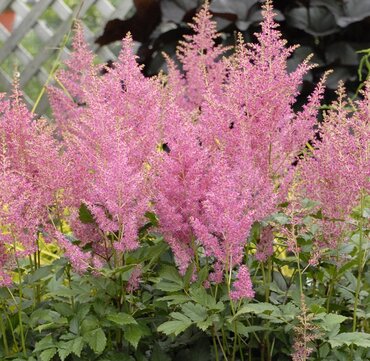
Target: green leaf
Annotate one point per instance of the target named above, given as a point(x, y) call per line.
point(180, 317)
point(200, 295)
point(78, 344)
point(133, 334)
point(331, 323)
point(359, 339)
point(256, 308)
point(174, 327)
point(48, 354)
point(96, 339)
point(204, 325)
point(195, 312)
point(85, 214)
point(152, 218)
point(169, 286)
point(64, 309)
point(188, 275)
point(281, 218)
point(171, 274)
point(121, 318)
point(175, 299)
point(40, 273)
point(332, 319)
point(44, 344)
point(89, 323)
point(64, 353)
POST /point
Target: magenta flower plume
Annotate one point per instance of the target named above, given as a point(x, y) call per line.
point(110, 136)
point(232, 143)
point(30, 182)
point(200, 57)
point(338, 173)
point(242, 287)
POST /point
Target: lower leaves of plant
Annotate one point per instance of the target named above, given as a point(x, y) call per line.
point(193, 216)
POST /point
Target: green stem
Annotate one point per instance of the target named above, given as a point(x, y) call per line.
point(215, 344)
point(15, 342)
point(360, 263)
point(236, 336)
point(221, 347)
point(19, 306)
point(3, 332)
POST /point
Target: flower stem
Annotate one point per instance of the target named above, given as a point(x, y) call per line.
point(360, 263)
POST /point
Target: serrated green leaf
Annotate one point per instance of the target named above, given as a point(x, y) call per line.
point(188, 275)
point(89, 323)
point(174, 327)
point(169, 286)
point(359, 339)
point(48, 354)
point(257, 308)
point(133, 334)
point(121, 318)
point(195, 312)
point(200, 295)
point(42, 272)
point(171, 274)
point(331, 319)
point(204, 325)
point(180, 317)
point(64, 353)
point(175, 299)
point(44, 344)
point(77, 346)
point(96, 339)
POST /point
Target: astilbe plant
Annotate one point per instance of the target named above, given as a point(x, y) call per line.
point(218, 152)
point(109, 129)
point(337, 172)
point(30, 182)
point(235, 164)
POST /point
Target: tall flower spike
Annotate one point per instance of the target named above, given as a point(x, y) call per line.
point(243, 285)
point(337, 171)
point(200, 57)
point(110, 139)
point(30, 178)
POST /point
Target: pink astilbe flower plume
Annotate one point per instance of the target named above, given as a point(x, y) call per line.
point(110, 137)
point(242, 134)
point(180, 187)
point(30, 182)
point(199, 56)
point(242, 287)
point(337, 172)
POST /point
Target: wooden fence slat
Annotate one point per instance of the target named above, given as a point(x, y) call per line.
point(5, 80)
point(41, 30)
point(106, 8)
point(123, 8)
point(63, 11)
point(4, 4)
point(49, 49)
point(49, 38)
point(21, 31)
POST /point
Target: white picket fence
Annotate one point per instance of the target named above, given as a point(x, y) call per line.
point(34, 65)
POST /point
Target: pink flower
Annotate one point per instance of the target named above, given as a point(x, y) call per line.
point(133, 282)
point(79, 260)
point(243, 285)
point(265, 247)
